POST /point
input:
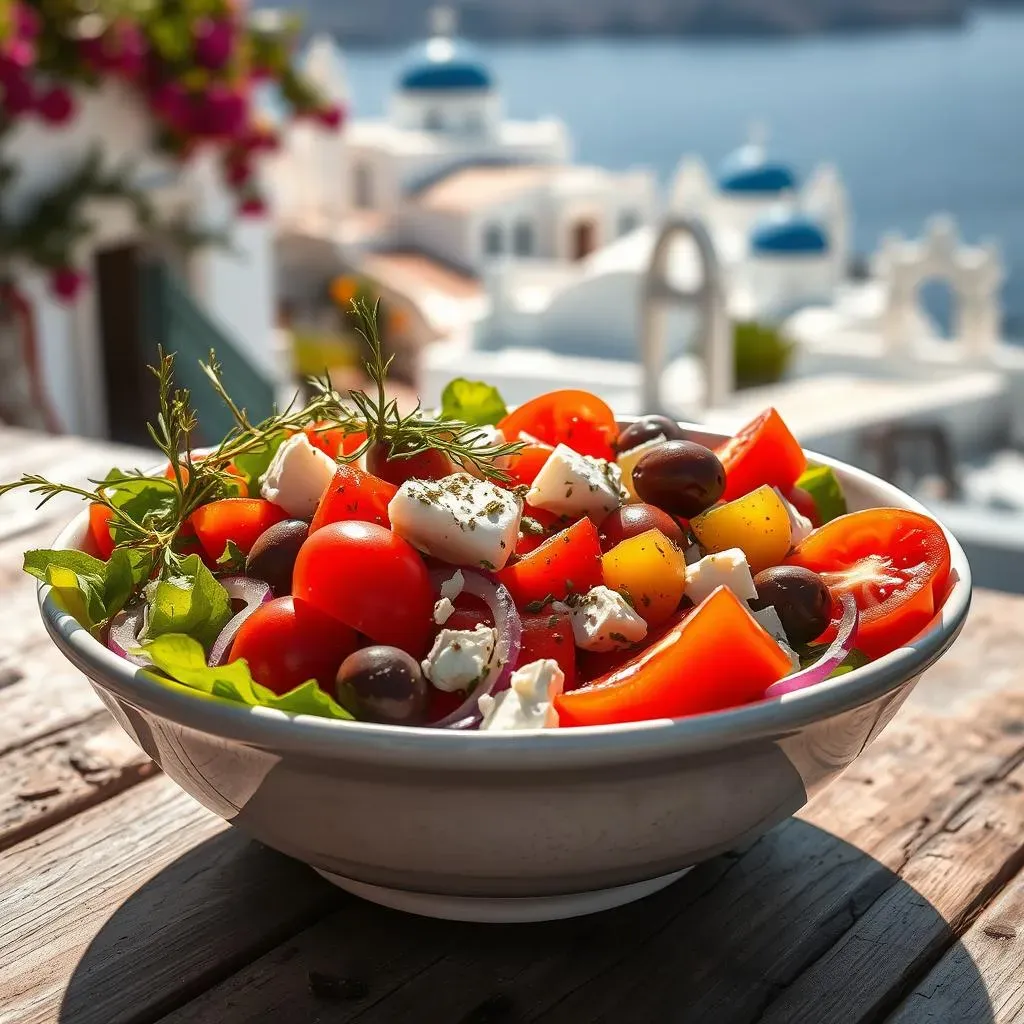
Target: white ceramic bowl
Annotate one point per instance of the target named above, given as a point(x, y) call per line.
point(485, 826)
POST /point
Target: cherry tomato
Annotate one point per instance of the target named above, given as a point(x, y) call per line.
point(549, 635)
point(895, 563)
point(763, 452)
point(241, 520)
point(716, 657)
point(802, 501)
point(523, 467)
point(333, 442)
point(569, 562)
point(287, 642)
point(633, 520)
point(99, 530)
point(370, 579)
point(576, 418)
point(353, 494)
point(431, 464)
point(441, 703)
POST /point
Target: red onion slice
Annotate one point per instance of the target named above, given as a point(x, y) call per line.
point(509, 629)
point(239, 588)
point(834, 656)
point(123, 634)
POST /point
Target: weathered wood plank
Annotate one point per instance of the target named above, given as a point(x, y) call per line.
point(125, 909)
point(981, 977)
point(51, 779)
point(720, 953)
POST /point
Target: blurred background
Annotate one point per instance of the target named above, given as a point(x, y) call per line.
point(700, 207)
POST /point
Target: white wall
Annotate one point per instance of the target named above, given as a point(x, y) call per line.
point(472, 114)
point(448, 235)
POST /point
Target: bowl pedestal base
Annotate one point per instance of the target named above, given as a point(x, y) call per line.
point(503, 910)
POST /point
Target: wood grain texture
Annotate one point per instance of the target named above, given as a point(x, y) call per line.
point(127, 908)
point(732, 940)
point(982, 975)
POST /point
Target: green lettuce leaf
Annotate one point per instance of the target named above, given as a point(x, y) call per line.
point(182, 659)
point(193, 603)
point(140, 497)
point(233, 558)
point(252, 465)
point(822, 484)
point(91, 590)
point(472, 401)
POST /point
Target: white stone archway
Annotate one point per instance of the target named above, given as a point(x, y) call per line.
point(973, 273)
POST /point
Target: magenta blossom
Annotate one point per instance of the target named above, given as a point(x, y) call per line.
point(16, 57)
point(27, 23)
point(214, 42)
point(56, 106)
point(252, 206)
point(222, 112)
point(332, 117)
point(66, 283)
point(18, 96)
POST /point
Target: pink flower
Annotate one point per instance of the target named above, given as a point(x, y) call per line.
point(171, 102)
point(27, 24)
point(214, 42)
point(252, 206)
point(131, 51)
point(238, 171)
point(16, 57)
point(56, 106)
point(18, 97)
point(222, 112)
point(332, 117)
point(66, 282)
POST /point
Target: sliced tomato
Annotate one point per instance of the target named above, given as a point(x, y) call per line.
point(568, 563)
point(523, 467)
point(894, 562)
point(354, 494)
point(333, 440)
point(241, 520)
point(549, 635)
point(763, 452)
point(716, 657)
point(549, 523)
point(576, 418)
point(99, 530)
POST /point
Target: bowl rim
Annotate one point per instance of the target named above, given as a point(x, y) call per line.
point(621, 743)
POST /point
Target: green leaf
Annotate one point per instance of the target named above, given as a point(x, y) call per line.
point(252, 465)
point(125, 570)
point(193, 603)
point(139, 497)
point(822, 484)
point(233, 558)
point(182, 659)
point(473, 402)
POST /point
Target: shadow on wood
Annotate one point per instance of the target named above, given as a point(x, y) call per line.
point(231, 933)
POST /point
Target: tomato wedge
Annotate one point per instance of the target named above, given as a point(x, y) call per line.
point(523, 467)
point(576, 418)
point(569, 562)
point(333, 441)
point(763, 452)
point(99, 530)
point(354, 494)
point(549, 635)
point(241, 520)
point(894, 562)
point(716, 657)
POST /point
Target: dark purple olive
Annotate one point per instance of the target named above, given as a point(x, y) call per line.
point(647, 428)
point(799, 596)
point(382, 684)
point(682, 477)
point(272, 557)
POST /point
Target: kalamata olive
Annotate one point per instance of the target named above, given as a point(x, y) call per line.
point(632, 520)
point(681, 477)
point(646, 429)
point(382, 684)
point(272, 557)
point(799, 596)
point(431, 464)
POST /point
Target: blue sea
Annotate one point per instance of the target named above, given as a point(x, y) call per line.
point(918, 122)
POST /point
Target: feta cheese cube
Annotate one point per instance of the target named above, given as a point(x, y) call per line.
point(628, 459)
point(528, 703)
point(768, 619)
point(800, 526)
point(460, 658)
point(297, 477)
point(452, 587)
point(459, 519)
point(724, 569)
point(577, 485)
point(443, 611)
point(603, 620)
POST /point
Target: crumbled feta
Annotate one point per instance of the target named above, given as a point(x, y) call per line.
point(528, 703)
point(459, 519)
point(800, 526)
point(603, 620)
point(577, 485)
point(628, 459)
point(297, 477)
point(460, 658)
point(724, 569)
point(452, 587)
point(768, 619)
point(443, 611)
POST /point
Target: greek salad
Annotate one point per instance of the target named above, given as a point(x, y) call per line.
point(473, 567)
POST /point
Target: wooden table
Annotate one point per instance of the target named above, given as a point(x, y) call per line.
point(896, 896)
